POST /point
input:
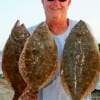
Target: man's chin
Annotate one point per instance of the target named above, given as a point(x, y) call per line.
point(56, 17)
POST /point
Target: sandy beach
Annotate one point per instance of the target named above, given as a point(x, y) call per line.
point(6, 92)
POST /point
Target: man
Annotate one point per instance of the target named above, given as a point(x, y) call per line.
point(60, 26)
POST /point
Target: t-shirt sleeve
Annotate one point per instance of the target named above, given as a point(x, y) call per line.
point(31, 29)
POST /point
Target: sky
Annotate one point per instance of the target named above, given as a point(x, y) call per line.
point(30, 12)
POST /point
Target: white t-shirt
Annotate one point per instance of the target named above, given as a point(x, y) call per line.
point(55, 91)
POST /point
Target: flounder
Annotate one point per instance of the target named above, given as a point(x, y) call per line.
point(80, 63)
point(38, 60)
point(10, 59)
point(28, 94)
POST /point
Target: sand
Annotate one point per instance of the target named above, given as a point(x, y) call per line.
point(6, 92)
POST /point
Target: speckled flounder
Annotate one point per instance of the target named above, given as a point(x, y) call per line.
point(38, 60)
point(28, 94)
point(80, 62)
point(11, 53)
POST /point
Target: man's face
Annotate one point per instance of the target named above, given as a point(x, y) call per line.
point(55, 9)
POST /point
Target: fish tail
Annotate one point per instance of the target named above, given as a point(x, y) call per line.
point(77, 98)
point(28, 94)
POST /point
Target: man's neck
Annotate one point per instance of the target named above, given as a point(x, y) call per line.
point(58, 27)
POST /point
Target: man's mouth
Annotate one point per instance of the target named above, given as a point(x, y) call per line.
point(55, 8)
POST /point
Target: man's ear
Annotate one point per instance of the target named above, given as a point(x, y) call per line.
point(69, 2)
point(42, 1)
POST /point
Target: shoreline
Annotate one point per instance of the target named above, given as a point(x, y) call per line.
point(6, 93)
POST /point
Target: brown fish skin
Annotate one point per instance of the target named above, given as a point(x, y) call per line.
point(80, 62)
point(10, 59)
point(28, 94)
point(38, 60)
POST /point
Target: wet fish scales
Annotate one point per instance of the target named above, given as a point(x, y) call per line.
point(38, 60)
point(80, 62)
point(10, 58)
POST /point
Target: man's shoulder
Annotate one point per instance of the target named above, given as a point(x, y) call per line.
point(74, 22)
point(32, 28)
